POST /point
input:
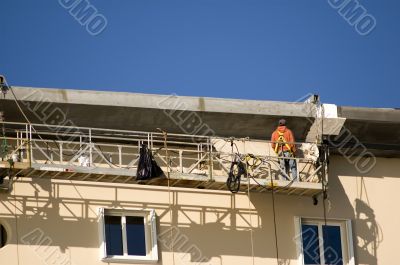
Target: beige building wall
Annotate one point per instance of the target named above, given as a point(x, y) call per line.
point(63, 215)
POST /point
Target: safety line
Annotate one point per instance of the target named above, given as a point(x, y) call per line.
point(248, 194)
point(169, 196)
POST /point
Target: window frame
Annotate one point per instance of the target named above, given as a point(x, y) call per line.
point(150, 235)
point(346, 234)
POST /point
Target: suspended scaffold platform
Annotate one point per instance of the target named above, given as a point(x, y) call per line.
point(188, 161)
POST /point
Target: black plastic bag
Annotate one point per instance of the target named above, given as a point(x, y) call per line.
point(147, 168)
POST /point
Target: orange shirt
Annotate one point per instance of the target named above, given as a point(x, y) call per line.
point(287, 134)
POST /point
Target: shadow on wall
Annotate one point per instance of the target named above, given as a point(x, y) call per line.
point(214, 239)
point(217, 223)
point(367, 233)
point(205, 240)
point(216, 230)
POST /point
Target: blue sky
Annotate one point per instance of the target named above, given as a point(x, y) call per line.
point(254, 49)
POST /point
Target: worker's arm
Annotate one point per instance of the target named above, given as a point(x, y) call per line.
point(292, 141)
point(273, 140)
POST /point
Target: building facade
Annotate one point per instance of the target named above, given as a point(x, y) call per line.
point(70, 193)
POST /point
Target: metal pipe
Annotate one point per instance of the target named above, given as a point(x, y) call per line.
point(138, 132)
point(61, 153)
point(90, 148)
point(120, 155)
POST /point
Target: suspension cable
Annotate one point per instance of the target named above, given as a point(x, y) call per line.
point(169, 194)
point(26, 117)
point(274, 212)
point(19, 106)
point(249, 199)
point(274, 218)
point(323, 181)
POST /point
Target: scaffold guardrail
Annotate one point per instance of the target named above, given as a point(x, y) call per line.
point(107, 155)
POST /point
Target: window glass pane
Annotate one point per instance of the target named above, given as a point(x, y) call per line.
point(113, 230)
point(332, 245)
point(136, 235)
point(310, 244)
point(3, 236)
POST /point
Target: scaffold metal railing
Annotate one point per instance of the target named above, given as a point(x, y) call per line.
point(107, 155)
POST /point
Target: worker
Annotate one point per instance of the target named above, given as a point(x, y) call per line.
point(282, 141)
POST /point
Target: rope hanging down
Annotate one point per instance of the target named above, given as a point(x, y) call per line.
point(325, 161)
point(172, 246)
point(249, 199)
point(239, 169)
point(274, 216)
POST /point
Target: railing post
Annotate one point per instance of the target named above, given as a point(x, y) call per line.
point(26, 142)
point(181, 160)
point(270, 172)
point(61, 153)
point(30, 146)
point(210, 159)
point(90, 148)
point(120, 155)
point(138, 148)
point(326, 173)
point(201, 153)
point(198, 153)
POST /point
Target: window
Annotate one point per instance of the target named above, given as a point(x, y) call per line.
point(128, 235)
point(3, 236)
point(320, 244)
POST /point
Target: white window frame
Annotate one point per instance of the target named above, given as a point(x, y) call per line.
point(150, 235)
point(346, 234)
